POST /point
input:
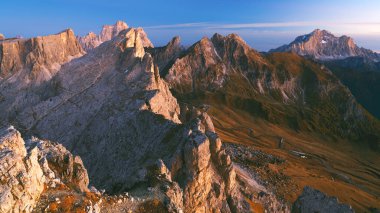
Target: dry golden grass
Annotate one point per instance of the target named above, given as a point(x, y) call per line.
point(339, 168)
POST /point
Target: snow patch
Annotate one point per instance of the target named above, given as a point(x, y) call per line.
point(260, 87)
point(216, 53)
point(323, 41)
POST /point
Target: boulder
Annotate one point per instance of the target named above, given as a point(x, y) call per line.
point(312, 200)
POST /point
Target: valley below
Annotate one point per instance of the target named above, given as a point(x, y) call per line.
point(348, 172)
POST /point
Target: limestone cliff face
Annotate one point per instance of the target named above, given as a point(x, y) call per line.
point(322, 45)
point(37, 59)
point(22, 179)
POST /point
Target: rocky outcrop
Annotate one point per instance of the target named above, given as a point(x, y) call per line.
point(108, 32)
point(27, 168)
point(36, 59)
point(312, 200)
point(200, 173)
point(2, 37)
point(22, 180)
point(60, 165)
point(322, 45)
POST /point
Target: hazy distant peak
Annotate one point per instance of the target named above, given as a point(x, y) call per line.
point(323, 45)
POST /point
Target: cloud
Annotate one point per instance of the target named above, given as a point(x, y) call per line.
point(183, 25)
point(337, 27)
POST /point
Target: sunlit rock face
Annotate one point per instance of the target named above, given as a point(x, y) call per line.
point(27, 168)
point(36, 59)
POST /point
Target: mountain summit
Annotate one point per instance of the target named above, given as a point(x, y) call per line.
point(91, 40)
point(322, 45)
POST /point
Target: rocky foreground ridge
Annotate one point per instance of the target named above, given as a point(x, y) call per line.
point(29, 168)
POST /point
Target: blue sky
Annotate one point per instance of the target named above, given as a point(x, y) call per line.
point(263, 24)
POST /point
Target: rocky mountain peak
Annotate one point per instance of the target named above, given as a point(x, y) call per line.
point(2, 37)
point(323, 45)
point(137, 39)
point(176, 41)
point(164, 56)
point(110, 31)
point(91, 40)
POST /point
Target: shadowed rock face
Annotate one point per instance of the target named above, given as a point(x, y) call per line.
point(362, 77)
point(322, 45)
point(165, 56)
point(312, 200)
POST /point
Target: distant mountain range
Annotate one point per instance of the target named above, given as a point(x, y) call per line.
point(322, 45)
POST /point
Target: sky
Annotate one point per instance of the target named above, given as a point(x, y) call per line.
point(264, 24)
